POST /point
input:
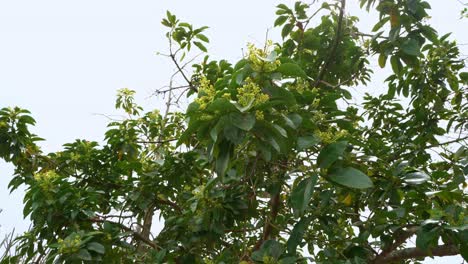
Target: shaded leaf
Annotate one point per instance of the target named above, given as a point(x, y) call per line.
point(350, 177)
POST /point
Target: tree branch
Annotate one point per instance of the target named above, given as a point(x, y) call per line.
point(399, 237)
point(275, 204)
point(411, 253)
point(334, 46)
point(128, 229)
point(183, 73)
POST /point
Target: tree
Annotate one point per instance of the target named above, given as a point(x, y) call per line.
point(272, 155)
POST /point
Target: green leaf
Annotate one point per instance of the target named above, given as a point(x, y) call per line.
point(350, 177)
point(280, 20)
point(281, 130)
point(464, 77)
point(96, 247)
point(297, 234)
point(84, 255)
point(291, 70)
point(200, 46)
point(302, 193)
point(380, 24)
point(269, 248)
point(307, 142)
point(411, 47)
point(243, 121)
point(425, 239)
point(203, 38)
point(286, 30)
point(382, 60)
point(396, 65)
point(222, 160)
point(331, 153)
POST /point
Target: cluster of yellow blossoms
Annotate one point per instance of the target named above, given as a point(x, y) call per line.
point(300, 85)
point(251, 93)
point(45, 179)
point(206, 92)
point(258, 58)
point(330, 136)
point(71, 244)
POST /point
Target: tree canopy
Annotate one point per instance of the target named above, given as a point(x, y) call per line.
point(277, 158)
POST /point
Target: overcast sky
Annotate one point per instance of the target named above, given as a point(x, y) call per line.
point(64, 60)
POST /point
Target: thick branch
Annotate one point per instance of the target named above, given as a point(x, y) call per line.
point(398, 239)
point(334, 47)
point(411, 253)
point(275, 204)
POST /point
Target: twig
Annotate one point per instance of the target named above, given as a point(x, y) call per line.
point(334, 46)
point(136, 235)
point(183, 73)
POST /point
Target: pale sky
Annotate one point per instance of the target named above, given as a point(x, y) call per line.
point(65, 60)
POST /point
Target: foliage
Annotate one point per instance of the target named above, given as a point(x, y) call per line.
point(271, 157)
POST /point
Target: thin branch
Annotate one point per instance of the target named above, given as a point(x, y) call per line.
point(136, 235)
point(157, 141)
point(334, 46)
point(183, 73)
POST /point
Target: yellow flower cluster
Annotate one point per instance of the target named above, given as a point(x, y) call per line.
point(45, 176)
point(206, 92)
point(269, 260)
point(45, 179)
point(259, 115)
point(70, 245)
point(251, 93)
point(258, 58)
point(330, 136)
point(299, 86)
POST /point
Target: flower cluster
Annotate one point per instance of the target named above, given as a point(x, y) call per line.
point(45, 176)
point(70, 244)
point(45, 179)
point(259, 58)
point(299, 86)
point(206, 92)
point(251, 94)
point(330, 136)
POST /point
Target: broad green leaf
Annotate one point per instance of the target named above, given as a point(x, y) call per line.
point(416, 178)
point(222, 160)
point(243, 121)
point(269, 248)
point(297, 234)
point(291, 70)
point(350, 177)
point(302, 193)
point(84, 255)
point(425, 239)
point(286, 30)
point(307, 142)
point(411, 47)
point(464, 77)
point(331, 153)
point(280, 20)
point(382, 60)
point(96, 247)
point(281, 130)
point(396, 65)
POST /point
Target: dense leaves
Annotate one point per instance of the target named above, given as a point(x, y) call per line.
point(271, 162)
